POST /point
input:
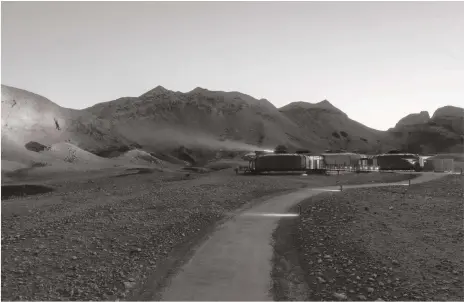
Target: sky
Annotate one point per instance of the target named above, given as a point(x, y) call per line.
point(376, 61)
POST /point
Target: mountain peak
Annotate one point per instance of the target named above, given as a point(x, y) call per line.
point(157, 90)
point(198, 90)
point(325, 104)
point(160, 88)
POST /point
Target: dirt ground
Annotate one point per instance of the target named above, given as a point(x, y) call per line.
point(121, 235)
point(389, 243)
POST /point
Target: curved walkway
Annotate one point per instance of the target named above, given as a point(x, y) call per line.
point(235, 263)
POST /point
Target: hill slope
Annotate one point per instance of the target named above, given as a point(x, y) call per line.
point(336, 128)
point(30, 117)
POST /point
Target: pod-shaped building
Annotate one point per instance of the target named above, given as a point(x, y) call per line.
point(400, 161)
point(279, 163)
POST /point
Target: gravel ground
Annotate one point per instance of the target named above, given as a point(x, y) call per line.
point(390, 243)
point(114, 237)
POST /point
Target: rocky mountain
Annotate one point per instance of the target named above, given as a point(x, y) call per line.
point(450, 117)
point(203, 118)
point(196, 125)
point(414, 119)
point(336, 128)
point(443, 132)
point(162, 118)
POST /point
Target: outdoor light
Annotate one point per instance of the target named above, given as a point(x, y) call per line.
point(272, 214)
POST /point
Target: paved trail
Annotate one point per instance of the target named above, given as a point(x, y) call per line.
point(235, 263)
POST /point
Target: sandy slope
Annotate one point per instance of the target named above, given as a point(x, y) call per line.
point(8, 165)
point(30, 117)
point(65, 158)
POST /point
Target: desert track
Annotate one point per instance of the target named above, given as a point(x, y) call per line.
point(235, 262)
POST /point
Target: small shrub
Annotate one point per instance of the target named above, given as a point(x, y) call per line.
point(344, 134)
point(335, 134)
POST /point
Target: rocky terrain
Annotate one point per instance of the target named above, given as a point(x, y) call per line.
point(391, 243)
point(116, 236)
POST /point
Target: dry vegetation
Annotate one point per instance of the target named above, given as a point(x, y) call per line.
point(115, 237)
point(390, 243)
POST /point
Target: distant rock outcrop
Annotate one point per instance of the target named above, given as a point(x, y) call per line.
point(443, 132)
point(451, 118)
point(449, 112)
point(414, 119)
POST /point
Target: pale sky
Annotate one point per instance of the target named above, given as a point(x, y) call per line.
point(376, 61)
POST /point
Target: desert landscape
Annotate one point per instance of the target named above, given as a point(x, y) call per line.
point(111, 201)
point(167, 129)
point(232, 151)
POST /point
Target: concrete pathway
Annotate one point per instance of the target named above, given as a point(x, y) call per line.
point(235, 263)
